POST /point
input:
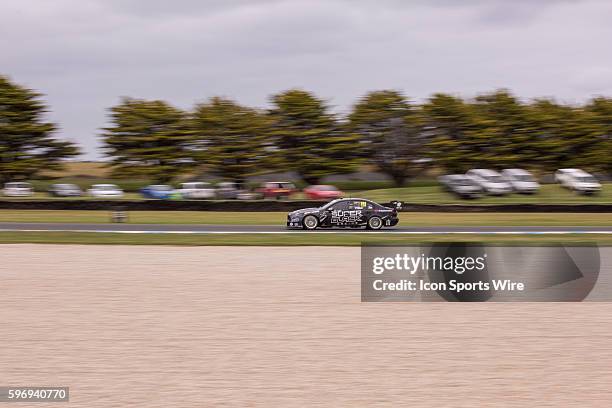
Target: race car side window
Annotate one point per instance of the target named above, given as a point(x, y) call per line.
point(366, 205)
point(359, 205)
point(353, 205)
point(341, 205)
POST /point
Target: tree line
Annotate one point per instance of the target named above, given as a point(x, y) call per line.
point(155, 140)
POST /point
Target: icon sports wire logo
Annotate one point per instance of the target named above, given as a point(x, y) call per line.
point(413, 264)
point(470, 272)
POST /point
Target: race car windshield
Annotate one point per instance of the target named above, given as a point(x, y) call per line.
point(327, 188)
point(161, 188)
point(587, 179)
point(523, 177)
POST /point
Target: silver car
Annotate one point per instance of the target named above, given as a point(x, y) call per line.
point(18, 189)
point(521, 181)
point(491, 181)
point(460, 185)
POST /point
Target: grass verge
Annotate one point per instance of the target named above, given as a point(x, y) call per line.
point(288, 239)
point(279, 218)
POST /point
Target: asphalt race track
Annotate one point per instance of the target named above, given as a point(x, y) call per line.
point(272, 229)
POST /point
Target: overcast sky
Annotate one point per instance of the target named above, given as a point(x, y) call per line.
point(85, 54)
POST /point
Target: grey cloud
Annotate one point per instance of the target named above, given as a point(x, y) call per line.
point(163, 8)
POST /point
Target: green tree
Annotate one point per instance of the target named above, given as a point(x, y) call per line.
point(501, 136)
point(493, 130)
point(391, 134)
point(451, 124)
point(308, 139)
point(600, 111)
point(232, 138)
point(27, 145)
point(566, 136)
point(497, 130)
point(549, 123)
point(148, 139)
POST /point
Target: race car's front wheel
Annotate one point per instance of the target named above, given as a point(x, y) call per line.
point(375, 223)
point(310, 222)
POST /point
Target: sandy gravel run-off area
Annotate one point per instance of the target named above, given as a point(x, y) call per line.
point(164, 327)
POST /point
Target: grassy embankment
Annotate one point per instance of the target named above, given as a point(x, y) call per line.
point(420, 191)
point(549, 194)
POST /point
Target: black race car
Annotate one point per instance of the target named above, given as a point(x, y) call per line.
point(344, 212)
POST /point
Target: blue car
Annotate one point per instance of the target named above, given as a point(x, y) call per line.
point(157, 191)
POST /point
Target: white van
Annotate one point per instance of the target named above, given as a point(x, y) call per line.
point(491, 181)
point(105, 190)
point(18, 189)
point(197, 190)
point(577, 180)
point(521, 181)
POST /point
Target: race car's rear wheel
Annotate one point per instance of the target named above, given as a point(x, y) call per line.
point(310, 222)
point(375, 223)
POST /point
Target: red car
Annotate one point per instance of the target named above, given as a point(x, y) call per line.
point(322, 192)
point(277, 189)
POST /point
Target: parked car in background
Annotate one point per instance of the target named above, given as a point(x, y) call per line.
point(277, 190)
point(158, 191)
point(247, 195)
point(228, 190)
point(105, 191)
point(322, 192)
point(577, 180)
point(460, 185)
point(521, 181)
point(490, 181)
point(65, 190)
point(197, 190)
point(18, 189)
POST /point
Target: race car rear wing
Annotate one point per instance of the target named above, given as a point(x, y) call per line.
point(397, 204)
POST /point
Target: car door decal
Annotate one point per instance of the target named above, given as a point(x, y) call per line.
point(342, 217)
